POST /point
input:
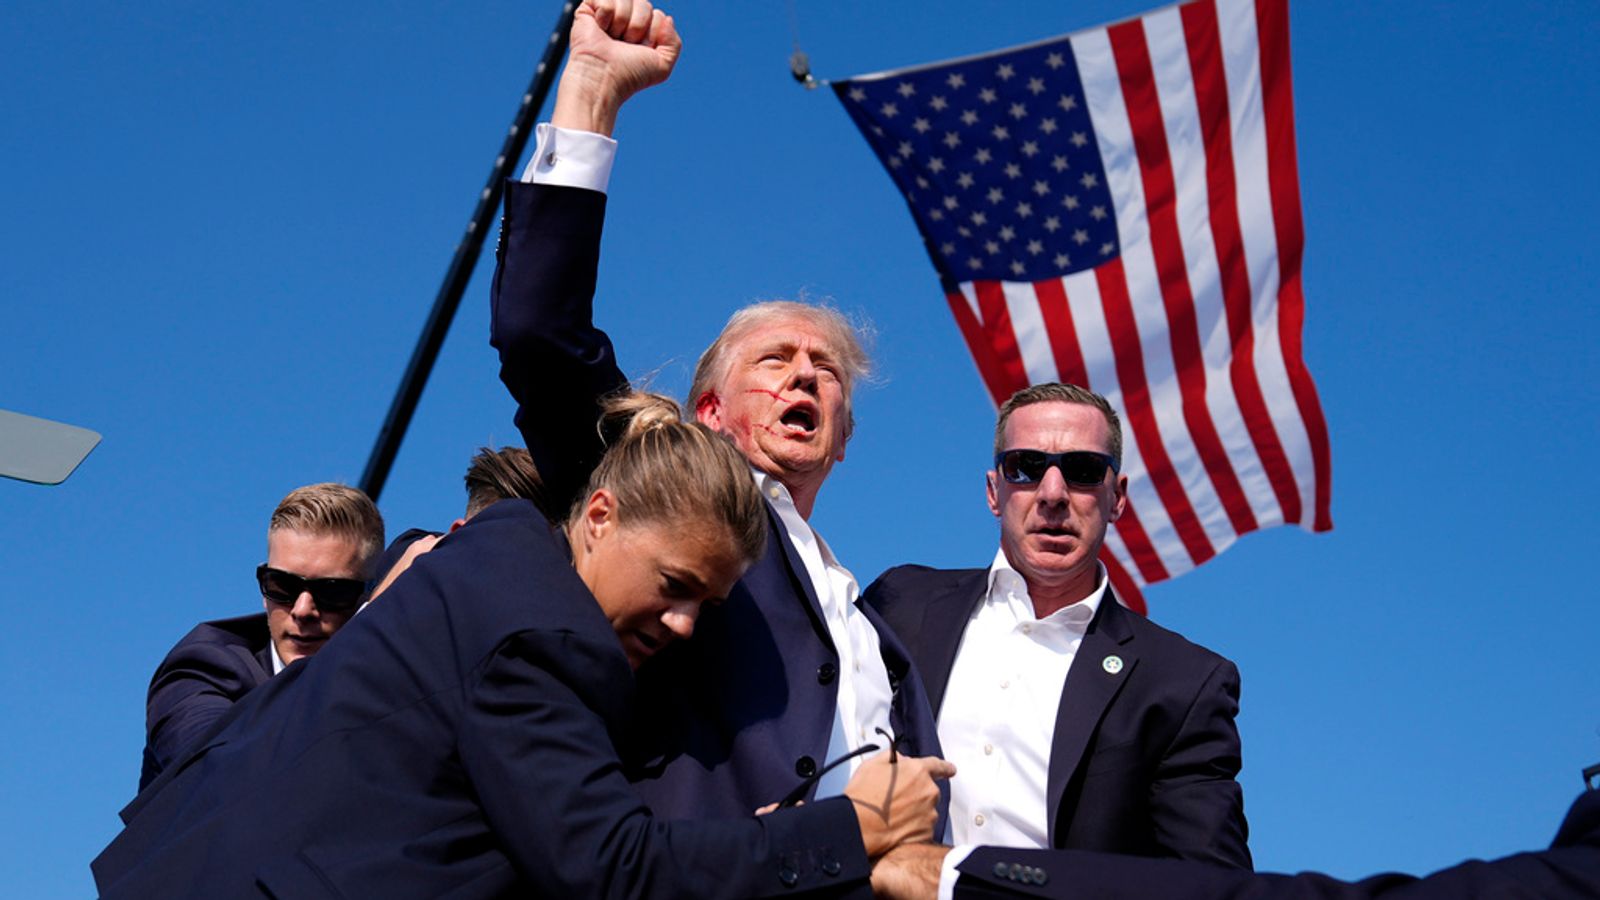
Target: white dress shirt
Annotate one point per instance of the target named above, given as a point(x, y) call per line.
point(583, 159)
point(864, 694)
point(570, 158)
point(997, 721)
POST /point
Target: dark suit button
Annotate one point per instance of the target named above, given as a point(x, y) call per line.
point(1039, 876)
point(826, 673)
point(1000, 870)
point(788, 876)
point(830, 866)
point(1016, 872)
point(805, 767)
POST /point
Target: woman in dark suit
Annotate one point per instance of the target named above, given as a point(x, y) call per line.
point(457, 739)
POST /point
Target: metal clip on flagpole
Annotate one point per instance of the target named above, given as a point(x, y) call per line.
point(799, 63)
point(800, 68)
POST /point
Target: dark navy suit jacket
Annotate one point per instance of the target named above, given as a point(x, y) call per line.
point(201, 678)
point(1569, 870)
point(738, 715)
point(1143, 759)
point(456, 740)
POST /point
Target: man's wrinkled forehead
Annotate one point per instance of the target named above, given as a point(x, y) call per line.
point(788, 336)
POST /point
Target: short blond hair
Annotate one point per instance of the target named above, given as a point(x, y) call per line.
point(332, 508)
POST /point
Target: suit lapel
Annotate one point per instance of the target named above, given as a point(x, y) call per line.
point(798, 576)
point(1090, 688)
point(944, 621)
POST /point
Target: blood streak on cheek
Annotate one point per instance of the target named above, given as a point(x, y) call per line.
point(776, 395)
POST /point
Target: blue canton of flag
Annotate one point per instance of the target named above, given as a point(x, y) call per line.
point(997, 159)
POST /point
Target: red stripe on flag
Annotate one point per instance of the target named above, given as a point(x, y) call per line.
point(1283, 175)
point(1137, 540)
point(1211, 100)
point(1063, 334)
point(1057, 314)
point(996, 317)
point(989, 368)
point(1129, 360)
point(1126, 589)
point(1160, 196)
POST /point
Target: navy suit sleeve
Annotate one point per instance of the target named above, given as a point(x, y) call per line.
point(1566, 873)
point(556, 364)
point(1570, 869)
point(1196, 805)
point(541, 760)
point(194, 687)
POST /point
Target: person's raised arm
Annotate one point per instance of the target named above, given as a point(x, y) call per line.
point(553, 359)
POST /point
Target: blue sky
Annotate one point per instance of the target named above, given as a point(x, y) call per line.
point(224, 224)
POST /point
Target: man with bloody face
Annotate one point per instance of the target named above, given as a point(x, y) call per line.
point(790, 673)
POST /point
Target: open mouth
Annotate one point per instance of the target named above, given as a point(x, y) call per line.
point(800, 418)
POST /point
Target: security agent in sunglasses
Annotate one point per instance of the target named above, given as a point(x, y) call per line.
point(320, 545)
point(1075, 723)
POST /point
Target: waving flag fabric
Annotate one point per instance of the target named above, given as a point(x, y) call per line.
point(1119, 208)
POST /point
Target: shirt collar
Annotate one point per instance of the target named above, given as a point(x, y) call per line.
point(1003, 579)
point(777, 493)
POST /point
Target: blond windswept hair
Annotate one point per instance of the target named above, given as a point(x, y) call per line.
point(332, 508)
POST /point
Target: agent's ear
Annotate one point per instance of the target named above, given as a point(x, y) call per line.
point(991, 487)
point(457, 524)
point(1119, 498)
point(599, 516)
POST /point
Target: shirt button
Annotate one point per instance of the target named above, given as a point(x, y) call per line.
point(978, 819)
point(1027, 628)
point(1005, 684)
point(773, 492)
point(988, 749)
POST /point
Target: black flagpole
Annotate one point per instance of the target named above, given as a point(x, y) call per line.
point(460, 271)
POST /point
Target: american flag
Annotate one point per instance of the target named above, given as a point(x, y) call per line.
point(1119, 208)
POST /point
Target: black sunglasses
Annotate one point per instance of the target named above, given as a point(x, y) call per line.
point(1082, 468)
point(794, 797)
point(329, 594)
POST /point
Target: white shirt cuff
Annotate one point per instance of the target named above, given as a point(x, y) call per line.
point(947, 871)
point(562, 156)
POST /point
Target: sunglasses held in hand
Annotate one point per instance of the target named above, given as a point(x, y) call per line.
point(1080, 468)
point(329, 594)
